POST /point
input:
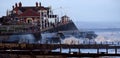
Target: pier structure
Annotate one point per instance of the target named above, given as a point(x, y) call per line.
point(44, 50)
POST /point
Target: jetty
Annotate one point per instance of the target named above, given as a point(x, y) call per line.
point(35, 50)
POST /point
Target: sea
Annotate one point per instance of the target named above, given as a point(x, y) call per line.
point(103, 35)
point(106, 36)
point(109, 35)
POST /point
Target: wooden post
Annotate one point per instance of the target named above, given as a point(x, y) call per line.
point(89, 42)
point(69, 49)
point(112, 43)
point(95, 43)
point(83, 42)
point(101, 43)
point(79, 50)
point(60, 47)
point(107, 50)
point(118, 43)
point(97, 50)
point(115, 50)
point(28, 42)
point(106, 42)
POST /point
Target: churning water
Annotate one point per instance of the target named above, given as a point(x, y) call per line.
point(103, 36)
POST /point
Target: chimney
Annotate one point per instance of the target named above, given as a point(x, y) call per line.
point(36, 4)
point(13, 7)
point(40, 4)
point(16, 5)
point(20, 4)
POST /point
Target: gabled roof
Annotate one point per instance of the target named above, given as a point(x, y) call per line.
point(29, 12)
point(65, 16)
point(32, 7)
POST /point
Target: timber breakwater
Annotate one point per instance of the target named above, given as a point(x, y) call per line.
point(47, 49)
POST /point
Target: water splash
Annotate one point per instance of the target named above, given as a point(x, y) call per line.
point(108, 37)
point(71, 40)
point(102, 37)
point(22, 38)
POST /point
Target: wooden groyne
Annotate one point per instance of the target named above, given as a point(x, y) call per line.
point(55, 46)
point(24, 46)
point(46, 49)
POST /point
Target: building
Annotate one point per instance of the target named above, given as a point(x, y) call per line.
point(35, 15)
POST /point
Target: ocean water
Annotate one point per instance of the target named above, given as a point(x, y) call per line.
point(104, 36)
point(109, 35)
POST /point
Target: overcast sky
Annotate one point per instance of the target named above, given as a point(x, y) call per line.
point(97, 11)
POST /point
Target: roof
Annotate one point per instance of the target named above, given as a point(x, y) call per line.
point(33, 8)
point(29, 12)
point(65, 16)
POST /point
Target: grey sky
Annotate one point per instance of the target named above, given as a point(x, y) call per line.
point(79, 10)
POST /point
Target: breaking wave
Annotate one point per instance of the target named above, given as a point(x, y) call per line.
point(102, 37)
point(108, 37)
point(22, 38)
point(71, 40)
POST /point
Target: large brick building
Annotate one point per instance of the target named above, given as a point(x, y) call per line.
point(35, 15)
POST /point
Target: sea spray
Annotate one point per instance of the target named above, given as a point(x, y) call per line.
point(72, 40)
point(28, 38)
point(108, 37)
point(22, 38)
point(101, 37)
point(49, 38)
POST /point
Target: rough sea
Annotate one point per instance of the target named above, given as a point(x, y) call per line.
point(105, 36)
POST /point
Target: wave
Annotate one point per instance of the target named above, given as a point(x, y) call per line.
point(71, 40)
point(102, 37)
point(109, 36)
